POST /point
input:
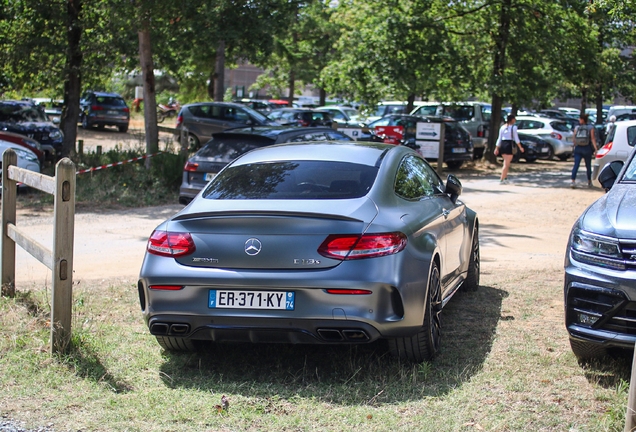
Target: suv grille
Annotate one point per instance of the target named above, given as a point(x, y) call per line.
point(615, 313)
point(628, 248)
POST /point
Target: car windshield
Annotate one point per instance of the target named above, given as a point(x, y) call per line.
point(298, 180)
point(630, 172)
point(255, 114)
point(110, 101)
point(20, 113)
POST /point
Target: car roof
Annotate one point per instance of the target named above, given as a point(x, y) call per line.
point(230, 104)
point(366, 153)
point(271, 131)
point(101, 93)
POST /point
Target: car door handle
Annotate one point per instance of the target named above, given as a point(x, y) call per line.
point(445, 213)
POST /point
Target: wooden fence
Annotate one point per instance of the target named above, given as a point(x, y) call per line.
point(60, 259)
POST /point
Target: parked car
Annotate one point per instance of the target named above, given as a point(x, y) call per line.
point(618, 110)
point(344, 115)
point(304, 117)
point(458, 145)
point(30, 144)
point(52, 108)
point(619, 143)
point(203, 119)
point(104, 109)
point(26, 158)
point(385, 109)
point(556, 132)
point(572, 112)
point(317, 243)
point(600, 267)
point(263, 106)
point(534, 147)
point(226, 146)
point(473, 116)
point(22, 117)
point(557, 113)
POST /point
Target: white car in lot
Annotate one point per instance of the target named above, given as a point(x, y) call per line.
point(555, 131)
point(618, 145)
point(26, 158)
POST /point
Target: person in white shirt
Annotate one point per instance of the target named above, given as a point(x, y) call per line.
point(506, 142)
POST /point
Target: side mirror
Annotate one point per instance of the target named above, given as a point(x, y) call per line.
point(410, 143)
point(609, 174)
point(249, 122)
point(453, 187)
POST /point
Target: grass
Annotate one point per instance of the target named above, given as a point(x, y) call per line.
point(505, 365)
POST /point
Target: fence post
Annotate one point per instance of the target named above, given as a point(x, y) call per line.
point(9, 192)
point(184, 140)
point(630, 415)
point(64, 228)
point(80, 147)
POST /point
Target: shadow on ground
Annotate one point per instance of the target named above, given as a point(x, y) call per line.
point(349, 375)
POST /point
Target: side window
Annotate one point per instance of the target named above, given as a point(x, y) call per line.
point(337, 115)
point(415, 180)
point(215, 112)
point(382, 122)
point(631, 135)
point(316, 136)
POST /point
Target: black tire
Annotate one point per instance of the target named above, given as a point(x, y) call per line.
point(160, 117)
point(85, 123)
point(531, 159)
point(423, 345)
point(478, 153)
point(178, 344)
point(550, 153)
point(563, 157)
point(474, 265)
point(123, 128)
point(193, 142)
point(454, 164)
point(587, 350)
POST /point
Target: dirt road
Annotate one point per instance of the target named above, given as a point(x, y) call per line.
point(524, 225)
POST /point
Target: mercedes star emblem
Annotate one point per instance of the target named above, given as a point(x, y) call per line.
point(253, 246)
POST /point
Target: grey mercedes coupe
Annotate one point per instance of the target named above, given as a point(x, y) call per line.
point(317, 243)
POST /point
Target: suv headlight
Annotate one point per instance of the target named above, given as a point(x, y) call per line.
point(596, 250)
point(56, 134)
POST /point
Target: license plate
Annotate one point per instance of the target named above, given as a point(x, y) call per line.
point(545, 150)
point(568, 139)
point(275, 300)
point(112, 112)
point(209, 176)
point(459, 150)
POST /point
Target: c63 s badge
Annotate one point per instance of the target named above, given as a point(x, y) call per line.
point(306, 261)
point(206, 260)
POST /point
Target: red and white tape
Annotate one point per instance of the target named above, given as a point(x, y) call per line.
point(116, 163)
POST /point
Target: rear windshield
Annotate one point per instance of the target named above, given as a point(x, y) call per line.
point(228, 147)
point(560, 126)
point(460, 112)
point(111, 101)
point(298, 180)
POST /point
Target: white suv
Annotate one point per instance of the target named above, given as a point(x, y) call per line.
point(618, 145)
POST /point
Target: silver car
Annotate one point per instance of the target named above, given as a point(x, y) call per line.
point(556, 132)
point(317, 243)
point(600, 268)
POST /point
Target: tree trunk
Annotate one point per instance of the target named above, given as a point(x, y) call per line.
point(599, 104)
point(323, 97)
point(150, 101)
point(499, 64)
point(73, 82)
point(583, 99)
point(219, 72)
point(410, 102)
point(292, 81)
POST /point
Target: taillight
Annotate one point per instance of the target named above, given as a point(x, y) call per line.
point(170, 244)
point(166, 287)
point(126, 109)
point(348, 291)
point(97, 108)
point(556, 136)
point(190, 166)
point(350, 247)
point(480, 131)
point(179, 120)
point(604, 150)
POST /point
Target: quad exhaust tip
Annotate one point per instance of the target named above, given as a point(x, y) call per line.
point(165, 329)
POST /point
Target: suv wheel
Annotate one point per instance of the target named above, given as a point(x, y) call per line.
point(85, 123)
point(587, 350)
point(123, 128)
point(472, 277)
point(454, 164)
